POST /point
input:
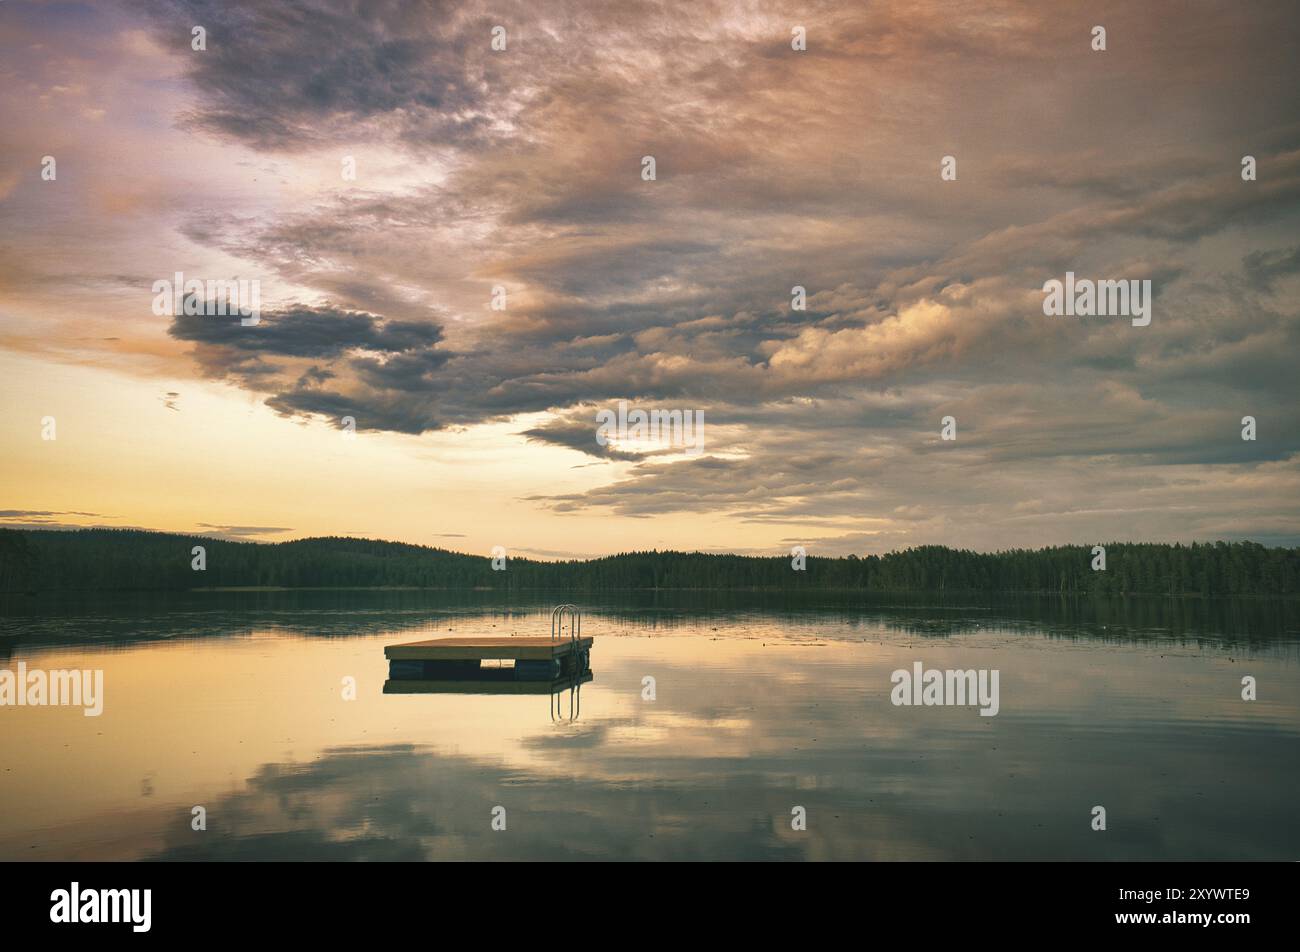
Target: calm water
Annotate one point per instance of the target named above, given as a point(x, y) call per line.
point(234, 702)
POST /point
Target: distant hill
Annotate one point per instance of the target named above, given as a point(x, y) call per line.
point(125, 560)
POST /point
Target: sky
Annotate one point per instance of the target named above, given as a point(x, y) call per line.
point(500, 268)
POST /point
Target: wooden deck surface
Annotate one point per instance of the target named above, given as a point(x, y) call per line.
point(481, 648)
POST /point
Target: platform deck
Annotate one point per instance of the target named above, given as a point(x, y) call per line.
point(483, 649)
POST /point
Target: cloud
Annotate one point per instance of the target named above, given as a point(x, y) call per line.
point(1263, 268)
point(42, 513)
point(520, 170)
point(241, 533)
point(324, 360)
point(302, 74)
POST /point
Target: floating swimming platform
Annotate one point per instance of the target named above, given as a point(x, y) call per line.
point(484, 665)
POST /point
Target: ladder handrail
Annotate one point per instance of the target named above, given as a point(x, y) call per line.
point(575, 622)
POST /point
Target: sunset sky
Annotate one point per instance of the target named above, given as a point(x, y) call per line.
point(522, 168)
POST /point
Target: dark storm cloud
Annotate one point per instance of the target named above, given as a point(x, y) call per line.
point(296, 73)
point(306, 332)
point(297, 354)
point(576, 432)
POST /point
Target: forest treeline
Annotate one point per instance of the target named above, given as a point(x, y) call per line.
point(125, 560)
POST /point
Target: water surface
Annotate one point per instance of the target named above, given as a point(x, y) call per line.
point(235, 702)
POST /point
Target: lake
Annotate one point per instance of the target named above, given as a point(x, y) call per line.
point(716, 726)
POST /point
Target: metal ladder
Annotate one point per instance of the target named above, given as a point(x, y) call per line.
point(558, 615)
